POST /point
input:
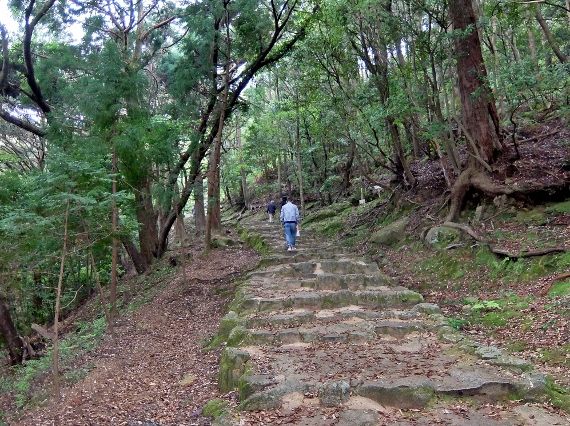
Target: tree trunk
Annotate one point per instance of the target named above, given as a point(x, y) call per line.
point(298, 155)
point(55, 353)
point(478, 105)
point(532, 38)
point(115, 247)
point(199, 210)
point(147, 217)
point(242, 171)
point(279, 178)
point(213, 218)
point(137, 258)
point(549, 37)
point(9, 333)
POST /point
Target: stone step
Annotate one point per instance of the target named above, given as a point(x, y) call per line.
point(403, 374)
point(361, 411)
point(352, 330)
point(310, 269)
point(299, 317)
point(326, 282)
point(379, 299)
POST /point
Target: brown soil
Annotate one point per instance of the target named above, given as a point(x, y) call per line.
point(155, 369)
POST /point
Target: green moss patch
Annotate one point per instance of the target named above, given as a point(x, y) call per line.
point(560, 289)
point(559, 208)
point(254, 240)
point(215, 408)
point(559, 396)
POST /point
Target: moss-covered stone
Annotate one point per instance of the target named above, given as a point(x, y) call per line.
point(254, 240)
point(215, 408)
point(398, 396)
point(238, 336)
point(233, 365)
point(391, 234)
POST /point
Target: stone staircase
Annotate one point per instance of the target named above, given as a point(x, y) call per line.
point(323, 337)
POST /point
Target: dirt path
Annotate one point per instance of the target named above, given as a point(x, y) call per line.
point(155, 371)
point(323, 337)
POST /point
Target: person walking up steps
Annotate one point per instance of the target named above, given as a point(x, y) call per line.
point(271, 208)
point(290, 218)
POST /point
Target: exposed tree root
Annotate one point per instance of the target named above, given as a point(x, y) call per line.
point(501, 252)
point(474, 179)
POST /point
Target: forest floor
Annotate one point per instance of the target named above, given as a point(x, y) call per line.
point(156, 366)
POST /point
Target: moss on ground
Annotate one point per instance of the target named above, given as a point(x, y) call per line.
point(560, 289)
point(498, 312)
point(559, 395)
point(86, 337)
point(254, 240)
point(215, 408)
point(559, 208)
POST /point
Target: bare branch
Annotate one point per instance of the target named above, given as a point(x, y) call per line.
point(22, 124)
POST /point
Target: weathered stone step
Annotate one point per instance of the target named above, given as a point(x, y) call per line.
point(296, 257)
point(310, 269)
point(299, 317)
point(352, 330)
point(326, 282)
point(377, 371)
point(385, 298)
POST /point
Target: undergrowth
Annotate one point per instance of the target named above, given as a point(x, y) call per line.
point(21, 380)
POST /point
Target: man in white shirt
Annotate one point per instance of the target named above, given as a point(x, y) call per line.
point(290, 218)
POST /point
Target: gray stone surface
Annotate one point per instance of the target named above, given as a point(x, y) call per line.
point(327, 334)
point(390, 234)
point(332, 394)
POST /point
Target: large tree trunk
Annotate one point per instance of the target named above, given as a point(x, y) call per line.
point(115, 245)
point(136, 257)
point(478, 105)
point(199, 210)
point(9, 333)
point(532, 38)
point(214, 215)
point(298, 155)
point(147, 217)
point(480, 119)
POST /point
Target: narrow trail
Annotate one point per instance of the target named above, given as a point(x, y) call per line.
point(323, 337)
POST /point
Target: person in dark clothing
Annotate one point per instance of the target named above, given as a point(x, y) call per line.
point(271, 208)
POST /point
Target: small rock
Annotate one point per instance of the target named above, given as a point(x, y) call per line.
point(488, 352)
point(332, 394)
point(188, 379)
point(390, 234)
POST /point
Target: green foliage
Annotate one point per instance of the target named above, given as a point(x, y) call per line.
point(557, 356)
point(485, 305)
point(498, 313)
point(457, 323)
point(520, 269)
point(444, 266)
point(84, 339)
point(531, 217)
